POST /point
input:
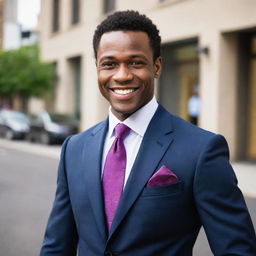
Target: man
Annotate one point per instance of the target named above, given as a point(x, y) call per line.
point(143, 187)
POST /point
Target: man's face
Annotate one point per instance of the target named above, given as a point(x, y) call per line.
point(126, 71)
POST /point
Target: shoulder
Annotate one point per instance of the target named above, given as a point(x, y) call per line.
point(189, 137)
point(182, 127)
point(78, 140)
point(189, 131)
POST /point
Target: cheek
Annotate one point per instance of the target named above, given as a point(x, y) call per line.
point(146, 74)
point(102, 79)
point(148, 80)
point(102, 87)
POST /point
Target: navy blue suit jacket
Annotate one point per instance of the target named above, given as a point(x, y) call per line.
point(156, 221)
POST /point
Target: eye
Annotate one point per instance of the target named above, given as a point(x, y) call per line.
point(137, 63)
point(108, 64)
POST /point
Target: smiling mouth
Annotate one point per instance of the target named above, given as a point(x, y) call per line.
point(123, 91)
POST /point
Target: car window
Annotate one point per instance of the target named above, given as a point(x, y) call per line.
point(17, 116)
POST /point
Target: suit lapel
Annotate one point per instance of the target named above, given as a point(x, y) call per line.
point(156, 141)
point(92, 161)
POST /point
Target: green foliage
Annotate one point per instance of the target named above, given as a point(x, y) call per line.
point(22, 73)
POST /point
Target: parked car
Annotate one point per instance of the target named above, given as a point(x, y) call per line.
point(13, 124)
point(48, 128)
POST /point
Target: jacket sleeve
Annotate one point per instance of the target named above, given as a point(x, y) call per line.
point(61, 234)
point(220, 203)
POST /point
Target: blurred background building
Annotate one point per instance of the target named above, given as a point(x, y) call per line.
point(12, 34)
point(10, 27)
point(1, 22)
point(208, 49)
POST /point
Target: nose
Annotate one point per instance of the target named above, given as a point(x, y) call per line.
point(123, 74)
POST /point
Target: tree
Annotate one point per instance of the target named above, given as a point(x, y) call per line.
point(23, 74)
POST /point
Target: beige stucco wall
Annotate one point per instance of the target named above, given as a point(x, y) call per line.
point(208, 20)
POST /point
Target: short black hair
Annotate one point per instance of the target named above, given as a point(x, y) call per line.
point(132, 21)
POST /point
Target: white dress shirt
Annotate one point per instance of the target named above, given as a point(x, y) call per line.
point(138, 123)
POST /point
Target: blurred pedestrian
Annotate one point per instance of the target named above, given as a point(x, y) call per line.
point(194, 106)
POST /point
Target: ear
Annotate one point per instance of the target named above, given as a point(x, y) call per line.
point(157, 67)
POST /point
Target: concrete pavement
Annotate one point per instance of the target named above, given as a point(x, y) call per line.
point(246, 175)
point(52, 151)
point(246, 172)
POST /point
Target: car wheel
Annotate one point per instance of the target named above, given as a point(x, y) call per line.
point(45, 138)
point(9, 135)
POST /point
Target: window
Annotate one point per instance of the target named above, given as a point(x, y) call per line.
point(55, 15)
point(109, 5)
point(75, 11)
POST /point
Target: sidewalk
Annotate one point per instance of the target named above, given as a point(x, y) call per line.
point(246, 172)
point(52, 151)
point(246, 175)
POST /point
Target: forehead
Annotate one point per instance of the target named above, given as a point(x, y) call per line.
point(117, 42)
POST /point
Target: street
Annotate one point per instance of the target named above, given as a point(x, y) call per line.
point(27, 187)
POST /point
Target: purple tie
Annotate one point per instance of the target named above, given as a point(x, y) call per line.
point(114, 173)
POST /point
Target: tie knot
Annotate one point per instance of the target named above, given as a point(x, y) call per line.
point(121, 131)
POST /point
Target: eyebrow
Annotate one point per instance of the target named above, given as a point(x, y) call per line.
point(107, 58)
point(133, 56)
point(138, 56)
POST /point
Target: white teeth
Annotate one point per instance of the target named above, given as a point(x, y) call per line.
point(123, 91)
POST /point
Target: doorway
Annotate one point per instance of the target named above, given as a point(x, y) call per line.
point(247, 96)
point(75, 66)
point(179, 79)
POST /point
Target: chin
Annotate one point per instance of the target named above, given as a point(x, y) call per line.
point(124, 113)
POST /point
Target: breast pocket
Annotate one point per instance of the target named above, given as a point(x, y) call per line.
point(169, 190)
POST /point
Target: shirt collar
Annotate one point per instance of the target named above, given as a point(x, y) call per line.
point(138, 121)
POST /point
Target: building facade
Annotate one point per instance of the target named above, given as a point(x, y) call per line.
point(11, 27)
point(1, 22)
point(208, 50)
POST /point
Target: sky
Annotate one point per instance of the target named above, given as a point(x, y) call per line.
point(28, 11)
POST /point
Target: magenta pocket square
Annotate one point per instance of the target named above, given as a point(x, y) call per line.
point(162, 177)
